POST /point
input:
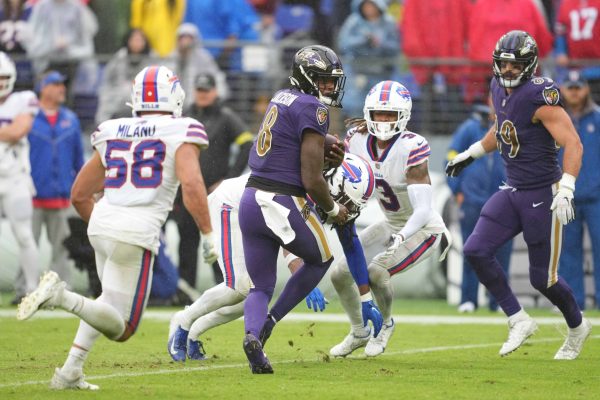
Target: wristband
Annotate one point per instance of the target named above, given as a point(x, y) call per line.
point(567, 181)
point(366, 297)
point(208, 237)
point(290, 257)
point(334, 211)
point(476, 150)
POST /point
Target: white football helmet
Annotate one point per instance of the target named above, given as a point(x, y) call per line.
point(351, 184)
point(387, 96)
point(157, 88)
point(8, 75)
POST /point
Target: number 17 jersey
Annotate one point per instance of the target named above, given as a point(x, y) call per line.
point(140, 180)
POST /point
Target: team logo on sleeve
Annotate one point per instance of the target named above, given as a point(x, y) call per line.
point(321, 115)
point(551, 96)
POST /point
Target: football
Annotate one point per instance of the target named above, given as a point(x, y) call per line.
point(330, 140)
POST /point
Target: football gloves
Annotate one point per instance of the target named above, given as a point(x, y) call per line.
point(370, 312)
point(462, 160)
point(563, 203)
point(209, 251)
point(316, 300)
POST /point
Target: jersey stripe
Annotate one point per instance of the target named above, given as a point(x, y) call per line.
point(150, 94)
point(226, 246)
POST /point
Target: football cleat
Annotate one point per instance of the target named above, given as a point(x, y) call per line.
point(349, 344)
point(46, 295)
point(518, 332)
point(195, 350)
point(259, 363)
point(177, 344)
point(467, 307)
point(377, 345)
point(267, 329)
point(61, 382)
point(574, 341)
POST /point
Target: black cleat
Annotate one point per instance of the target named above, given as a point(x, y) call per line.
point(259, 363)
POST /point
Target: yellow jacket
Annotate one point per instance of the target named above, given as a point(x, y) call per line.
point(158, 22)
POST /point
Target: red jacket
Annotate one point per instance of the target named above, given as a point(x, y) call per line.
point(579, 21)
point(493, 18)
point(435, 29)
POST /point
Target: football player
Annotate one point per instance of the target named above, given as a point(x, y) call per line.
point(17, 112)
point(286, 161)
point(538, 197)
point(411, 230)
point(138, 162)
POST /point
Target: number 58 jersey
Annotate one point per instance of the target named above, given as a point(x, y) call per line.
point(140, 182)
point(389, 166)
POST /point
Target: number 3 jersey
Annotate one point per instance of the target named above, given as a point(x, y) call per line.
point(140, 182)
point(389, 166)
point(529, 152)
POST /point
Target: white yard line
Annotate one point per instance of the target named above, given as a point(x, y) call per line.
point(245, 365)
point(161, 315)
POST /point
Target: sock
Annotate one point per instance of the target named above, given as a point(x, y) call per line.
point(84, 340)
point(28, 258)
point(297, 288)
point(383, 292)
point(215, 318)
point(100, 315)
point(211, 300)
point(349, 297)
point(561, 296)
point(521, 315)
point(255, 311)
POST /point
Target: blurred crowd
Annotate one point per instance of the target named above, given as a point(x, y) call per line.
point(440, 49)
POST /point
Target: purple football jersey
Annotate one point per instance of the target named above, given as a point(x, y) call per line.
point(527, 148)
point(275, 154)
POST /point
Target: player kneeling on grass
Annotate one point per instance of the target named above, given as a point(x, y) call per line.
point(138, 162)
point(224, 302)
point(411, 230)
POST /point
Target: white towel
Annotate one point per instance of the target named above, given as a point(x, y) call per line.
point(276, 216)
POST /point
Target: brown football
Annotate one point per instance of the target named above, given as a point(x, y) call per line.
point(329, 141)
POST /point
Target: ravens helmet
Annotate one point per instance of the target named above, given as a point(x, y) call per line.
point(319, 64)
point(517, 47)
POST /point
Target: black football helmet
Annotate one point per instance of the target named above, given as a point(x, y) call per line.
point(315, 63)
point(515, 46)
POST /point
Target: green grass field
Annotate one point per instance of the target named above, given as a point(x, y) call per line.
point(422, 361)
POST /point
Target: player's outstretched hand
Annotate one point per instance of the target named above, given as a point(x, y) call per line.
point(209, 251)
point(370, 312)
point(335, 157)
point(458, 163)
point(316, 300)
point(564, 205)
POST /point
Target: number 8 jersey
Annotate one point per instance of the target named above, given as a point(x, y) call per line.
point(140, 182)
point(389, 166)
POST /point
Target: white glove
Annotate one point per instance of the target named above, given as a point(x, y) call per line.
point(209, 251)
point(563, 199)
point(462, 160)
point(397, 240)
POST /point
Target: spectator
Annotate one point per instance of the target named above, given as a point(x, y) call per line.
point(61, 36)
point(190, 58)
point(471, 190)
point(434, 38)
point(578, 39)
point(368, 34)
point(159, 19)
point(491, 19)
point(56, 156)
point(224, 129)
point(113, 24)
point(115, 87)
point(585, 115)
point(13, 33)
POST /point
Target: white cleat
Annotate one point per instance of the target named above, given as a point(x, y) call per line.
point(468, 307)
point(377, 345)
point(574, 341)
point(349, 344)
point(61, 382)
point(518, 332)
point(45, 296)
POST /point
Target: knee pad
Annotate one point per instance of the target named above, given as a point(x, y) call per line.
point(378, 276)
point(340, 274)
point(539, 282)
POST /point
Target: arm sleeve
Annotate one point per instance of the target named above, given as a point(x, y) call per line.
point(420, 196)
point(355, 256)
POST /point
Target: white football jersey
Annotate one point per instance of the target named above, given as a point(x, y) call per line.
point(228, 192)
point(14, 158)
point(141, 182)
point(389, 167)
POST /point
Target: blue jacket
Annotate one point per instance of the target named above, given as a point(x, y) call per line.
point(56, 155)
point(480, 180)
point(587, 125)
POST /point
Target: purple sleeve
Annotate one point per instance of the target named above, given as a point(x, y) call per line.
point(313, 116)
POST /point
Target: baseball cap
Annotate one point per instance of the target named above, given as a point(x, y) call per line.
point(205, 82)
point(574, 79)
point(49, 78)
